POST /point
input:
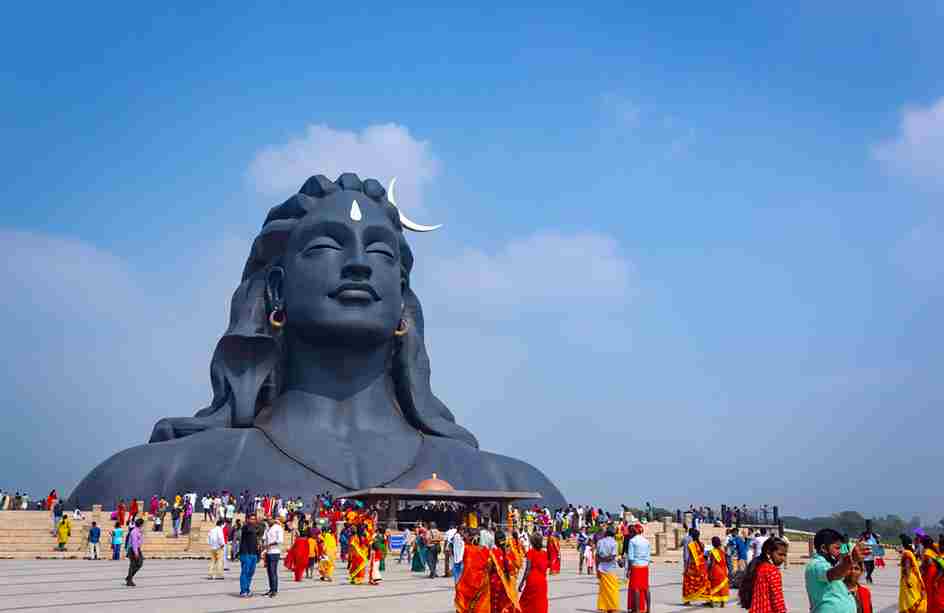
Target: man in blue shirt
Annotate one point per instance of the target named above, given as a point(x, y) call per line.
point(740, 545)
point(638, 557)
point(826, 571)
point(94, 536)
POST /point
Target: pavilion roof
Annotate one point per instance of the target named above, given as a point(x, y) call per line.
point(453, 495)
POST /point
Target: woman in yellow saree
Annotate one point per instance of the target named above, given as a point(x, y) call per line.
point(695, 583)
point(912, 597)
point(328, 548)
point(358, 557)
point(608, 573)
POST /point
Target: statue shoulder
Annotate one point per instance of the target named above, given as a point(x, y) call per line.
point(163, 468)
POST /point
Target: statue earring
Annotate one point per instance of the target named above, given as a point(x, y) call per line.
point(402, 328)
point(277, 317)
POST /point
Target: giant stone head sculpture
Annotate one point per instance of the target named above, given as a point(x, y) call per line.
point(323, 370)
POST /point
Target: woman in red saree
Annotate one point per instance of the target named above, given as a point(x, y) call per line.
point(932, 571)
point(122, 512)
point(358, 556)
point(695, 583)
point(296, 560)
point(472, 590)
point(554, 554)
point(134, 509)
point(719, 589)
point(761, 589)
point(533, 587)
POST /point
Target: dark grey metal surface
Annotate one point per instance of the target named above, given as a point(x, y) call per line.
point(334, 400)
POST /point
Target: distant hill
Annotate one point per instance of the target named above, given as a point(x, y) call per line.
point(853, 524)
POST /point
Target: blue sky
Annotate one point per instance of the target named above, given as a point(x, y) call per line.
point(687, 258)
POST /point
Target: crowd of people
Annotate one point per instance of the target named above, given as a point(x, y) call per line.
point(17, 501)
point(509, 564)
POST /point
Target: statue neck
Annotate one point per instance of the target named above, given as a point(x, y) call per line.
point(335, 372)
point(336, 403)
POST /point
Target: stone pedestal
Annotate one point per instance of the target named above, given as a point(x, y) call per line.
point(667, 523)
point(678, 535)
point(660, 544)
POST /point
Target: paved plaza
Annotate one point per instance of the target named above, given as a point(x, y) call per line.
point(180, 585)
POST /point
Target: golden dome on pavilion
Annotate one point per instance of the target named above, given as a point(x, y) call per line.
point(435, 485)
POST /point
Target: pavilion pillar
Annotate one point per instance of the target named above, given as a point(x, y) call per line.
point(392, 503)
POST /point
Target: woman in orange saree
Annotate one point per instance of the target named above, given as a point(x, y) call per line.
point(554, 554)
point(504, 596)
point(473, 589)
point(912, 597)
point(719, 588)
point(932, 572)
point(296, 560)
point(695, 583)
point(514, 556)
point(358, 557)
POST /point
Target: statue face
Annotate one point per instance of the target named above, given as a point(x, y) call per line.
point(342, 275)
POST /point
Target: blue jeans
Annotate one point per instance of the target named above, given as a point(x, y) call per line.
point(457, 571)
point(272, 570)
point(247, 570)
point(115, 551)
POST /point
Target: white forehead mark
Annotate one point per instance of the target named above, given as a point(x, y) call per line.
point(355, 212)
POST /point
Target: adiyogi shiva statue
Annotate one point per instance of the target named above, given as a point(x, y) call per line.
point(321, 381)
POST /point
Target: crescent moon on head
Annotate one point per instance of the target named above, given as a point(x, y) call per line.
point(409, 225)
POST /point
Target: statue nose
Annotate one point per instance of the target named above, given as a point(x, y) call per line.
point(356, 269)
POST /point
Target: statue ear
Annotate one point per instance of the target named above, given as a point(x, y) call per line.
point(274, 286)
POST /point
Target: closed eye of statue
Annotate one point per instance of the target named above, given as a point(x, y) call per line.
point(321, 243)
point(382, 249)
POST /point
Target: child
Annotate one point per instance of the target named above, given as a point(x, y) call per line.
point(589, 555)
point(860, 593)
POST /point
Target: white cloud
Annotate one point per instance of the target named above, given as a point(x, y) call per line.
point(378, 151)
point(91, 341)
point(545, 272)
point(918, 150)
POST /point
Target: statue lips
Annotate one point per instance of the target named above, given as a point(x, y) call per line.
point(355, 292)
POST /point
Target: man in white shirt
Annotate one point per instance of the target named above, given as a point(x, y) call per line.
point(447, 551)
point(216, 542)
point(405, 549)
point(757, 544)
point(458, 551)
point(205, 504)
point(272, 539)
point(486, 538)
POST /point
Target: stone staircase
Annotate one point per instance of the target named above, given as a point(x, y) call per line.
point(28, 534)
